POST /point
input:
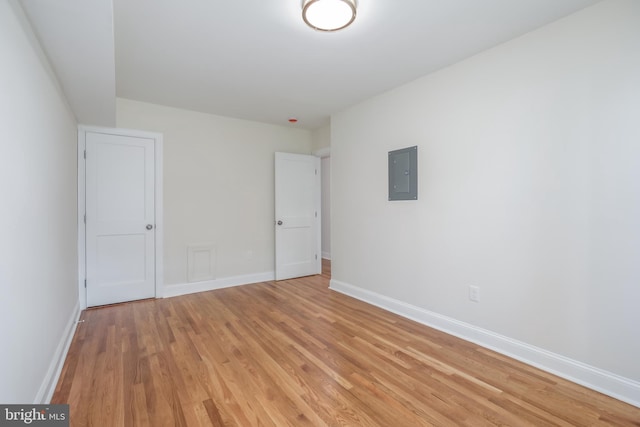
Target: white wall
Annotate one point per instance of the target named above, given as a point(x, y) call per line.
point(218, 185)
point(529, 187)
point(38, 255)
point(321, 138)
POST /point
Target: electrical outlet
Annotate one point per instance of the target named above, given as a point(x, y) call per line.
point(474, 293)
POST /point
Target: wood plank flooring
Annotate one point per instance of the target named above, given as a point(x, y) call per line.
point(293, 353)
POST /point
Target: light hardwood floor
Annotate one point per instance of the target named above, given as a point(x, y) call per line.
point(293, 353)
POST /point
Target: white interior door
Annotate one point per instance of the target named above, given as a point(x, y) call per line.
point(120, 226)
point(297, 215)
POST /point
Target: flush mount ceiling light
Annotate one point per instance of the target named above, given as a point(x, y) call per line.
point(329, 15)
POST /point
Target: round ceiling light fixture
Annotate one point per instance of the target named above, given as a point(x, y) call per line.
point(329, 15)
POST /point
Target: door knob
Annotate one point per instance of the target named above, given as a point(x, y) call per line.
point(149, 226)
point(279, 222)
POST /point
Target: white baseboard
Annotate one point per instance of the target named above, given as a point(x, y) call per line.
point(50, 380)
point(210, 285)
point(326, 255)
point(621, 388)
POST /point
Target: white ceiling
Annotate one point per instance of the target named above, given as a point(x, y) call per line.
point(257, 60)
point(77, 36)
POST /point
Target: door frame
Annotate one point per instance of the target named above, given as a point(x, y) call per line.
point(324, 153)
point(159, 220)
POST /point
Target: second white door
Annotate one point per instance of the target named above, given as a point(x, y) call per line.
point(120, 223)
point(297, 215)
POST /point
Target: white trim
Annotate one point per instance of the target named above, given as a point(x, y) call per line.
point(323, 152)
point(624, 389)
point(318, 190)
point(82, 257)
point(210, 285)
point(50, 381)
point(159, 226)
point(159, 147)
point(326, 255)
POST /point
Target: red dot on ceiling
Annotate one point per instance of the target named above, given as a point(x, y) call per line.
point(293, 120)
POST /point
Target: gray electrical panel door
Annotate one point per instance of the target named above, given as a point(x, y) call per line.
point(403, 174)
